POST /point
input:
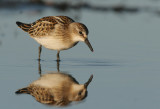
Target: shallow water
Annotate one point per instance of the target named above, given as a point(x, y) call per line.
point(125, 62)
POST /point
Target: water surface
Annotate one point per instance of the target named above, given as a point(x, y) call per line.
point(125, 62)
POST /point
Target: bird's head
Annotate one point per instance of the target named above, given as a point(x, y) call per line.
point(79, 91)
point(79, 32)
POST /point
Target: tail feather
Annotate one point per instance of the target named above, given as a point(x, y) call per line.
point(23, 90)
point(23, 26)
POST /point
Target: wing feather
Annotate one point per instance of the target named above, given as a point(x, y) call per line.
point(46, 25)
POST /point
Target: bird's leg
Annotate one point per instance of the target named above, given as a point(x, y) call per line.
point(39, 67)
point(58, 58)
point(58, 66)
point(40, 49)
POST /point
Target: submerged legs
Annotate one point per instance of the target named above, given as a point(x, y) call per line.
point(39, 67)
point(58, 65)
point(58, 58)
point(39, 59)
point(40, 49)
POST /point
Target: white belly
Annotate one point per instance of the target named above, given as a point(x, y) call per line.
point(52, 43)
point(50, 80)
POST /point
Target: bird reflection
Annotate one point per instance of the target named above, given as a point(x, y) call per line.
point(56, 88)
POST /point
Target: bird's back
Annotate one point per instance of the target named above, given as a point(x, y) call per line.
point(42, 95)
point(50, 88)
point(44, 25)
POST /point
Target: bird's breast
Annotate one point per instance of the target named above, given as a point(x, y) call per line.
point(54, 43)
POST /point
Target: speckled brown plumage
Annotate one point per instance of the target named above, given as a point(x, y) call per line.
point(45, 25)
point(57, 33)
point(56, 89)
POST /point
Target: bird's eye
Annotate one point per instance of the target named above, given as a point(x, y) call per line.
point(80, 92)
point(80, 32)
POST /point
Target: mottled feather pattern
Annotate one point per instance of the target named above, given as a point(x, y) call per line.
point(23, 90)
point(23, 26)
point(58, 89)
point(41, 28)
point(57, 33)
point(45, 95)
point(41, 94)
point(64, 19)
point(45, 25)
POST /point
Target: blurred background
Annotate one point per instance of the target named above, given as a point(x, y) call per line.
point(125, 35)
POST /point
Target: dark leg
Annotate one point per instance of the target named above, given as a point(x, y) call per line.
point(40, 49)
point(58, 64)
point(58, 58)
point(39, 67)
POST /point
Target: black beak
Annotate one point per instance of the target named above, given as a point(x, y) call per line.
point(88, 43)
point(89, 80)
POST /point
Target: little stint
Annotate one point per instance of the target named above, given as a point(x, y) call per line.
point(58, 89)
point(56, 33)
